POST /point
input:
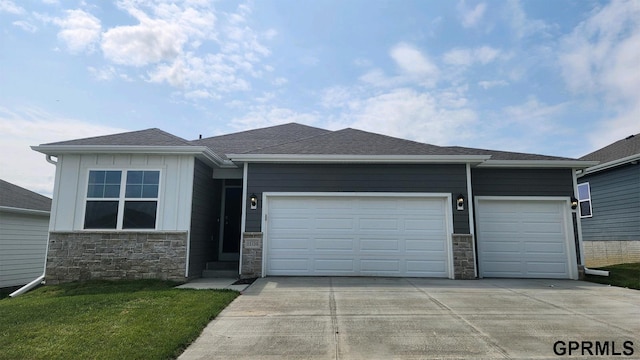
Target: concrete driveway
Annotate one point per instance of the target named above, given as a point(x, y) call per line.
point(396, 318)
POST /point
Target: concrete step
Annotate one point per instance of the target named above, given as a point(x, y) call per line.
point(222, 265)
point(233, 274)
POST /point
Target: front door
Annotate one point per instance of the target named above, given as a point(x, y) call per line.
point(232, 220)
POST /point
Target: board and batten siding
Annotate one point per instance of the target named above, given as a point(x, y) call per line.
point(23, 246)
point(398, 178)
point(72, 171)
point(521, 182)
point(615, 199)
point(205, 228)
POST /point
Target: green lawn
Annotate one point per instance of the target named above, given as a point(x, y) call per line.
point(623, 275)
point(106, 320)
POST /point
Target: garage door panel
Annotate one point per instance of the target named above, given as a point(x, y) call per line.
point(354, 235)
point(523, 238)
point(328, 244)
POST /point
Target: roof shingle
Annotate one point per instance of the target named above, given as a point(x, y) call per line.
point(148, 137)
point(620, 149)
point(17, 197)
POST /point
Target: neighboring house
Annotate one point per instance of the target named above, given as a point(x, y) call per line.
point(299, 200)
point(24, 229)
point(609, 195)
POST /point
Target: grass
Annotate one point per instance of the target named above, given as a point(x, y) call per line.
point(146, 319)
point(622, 275)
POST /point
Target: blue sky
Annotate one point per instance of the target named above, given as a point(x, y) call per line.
point(550, 77)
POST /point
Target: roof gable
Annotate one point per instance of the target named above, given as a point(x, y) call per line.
point(17, 197)
point(620, 149)
point(148, 137)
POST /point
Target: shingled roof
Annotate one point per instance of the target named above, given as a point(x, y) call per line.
point(245, 141)
point(353, 142)
point(298, 139)
point(148, 137)
point(14, 196)
point(620, 149)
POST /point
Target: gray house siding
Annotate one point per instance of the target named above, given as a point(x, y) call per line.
point(357, 178)
point(521, 182)
point(205, 211)
point(615, 199)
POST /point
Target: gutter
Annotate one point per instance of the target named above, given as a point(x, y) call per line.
point(335, 158)
point(29, 286)
point(610, 164)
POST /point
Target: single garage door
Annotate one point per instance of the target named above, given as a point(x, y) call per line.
point(525, 238)
point(358, 235)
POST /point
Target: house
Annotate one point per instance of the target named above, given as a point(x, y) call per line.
point(609, 196)
point(299, 200)
point(24, 228)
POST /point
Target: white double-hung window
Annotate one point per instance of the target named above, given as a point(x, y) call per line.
point(122, 199)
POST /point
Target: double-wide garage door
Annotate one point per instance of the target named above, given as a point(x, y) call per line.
point(358, 235)
point(525, 238)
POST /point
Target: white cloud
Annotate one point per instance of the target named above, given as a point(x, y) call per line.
point(190, 46)
point(79, 30)
point(600, 59)
point(536, 117)
point(26, 26)
point(10, 7)
point(470, 17)
point(467, 57)
point(488, 84)
point(264, 116)
point(521, 24)
point(412, 61)
point(23, 128)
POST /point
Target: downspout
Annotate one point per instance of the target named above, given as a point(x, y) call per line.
point(471, 220)
point(40, 279)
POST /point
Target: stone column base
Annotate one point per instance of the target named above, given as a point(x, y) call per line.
point(251, 255)
point(464, 257)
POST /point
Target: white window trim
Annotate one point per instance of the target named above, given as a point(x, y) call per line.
point(581, 201)
point(121, 198)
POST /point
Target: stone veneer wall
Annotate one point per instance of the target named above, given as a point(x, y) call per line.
point(251, 255)
point(610, 252)
point(81, 256)
point(464, 259)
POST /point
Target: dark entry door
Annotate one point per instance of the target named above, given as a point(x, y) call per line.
point(232, 220)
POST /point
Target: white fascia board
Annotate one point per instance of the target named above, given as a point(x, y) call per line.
point(403, 159)
point(24, 211)
point(573, 164)
point(609, 165)
point(201, 151)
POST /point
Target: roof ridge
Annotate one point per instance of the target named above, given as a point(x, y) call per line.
point(256, 130)
point(291, 142)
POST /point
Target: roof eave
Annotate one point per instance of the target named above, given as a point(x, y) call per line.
point(573, 164)
point(399, 159)
point(16, 210)
point(202, 152)
point(610, 164)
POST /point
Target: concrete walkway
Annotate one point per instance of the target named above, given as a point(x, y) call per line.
point(213, 283)
point(384, 318)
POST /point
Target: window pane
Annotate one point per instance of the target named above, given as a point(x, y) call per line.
point(585, 208)
point(150, 191)
point(139, 215)
point(95, 191)
point(111, 191)
point(134, 191)
point(152, 177)
point(583, 192)
point(113, 177)
point(134, 177)
point(96, 177)
point(101, 215)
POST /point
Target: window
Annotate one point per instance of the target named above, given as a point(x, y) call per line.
point(122, 199)
point(584, 200)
